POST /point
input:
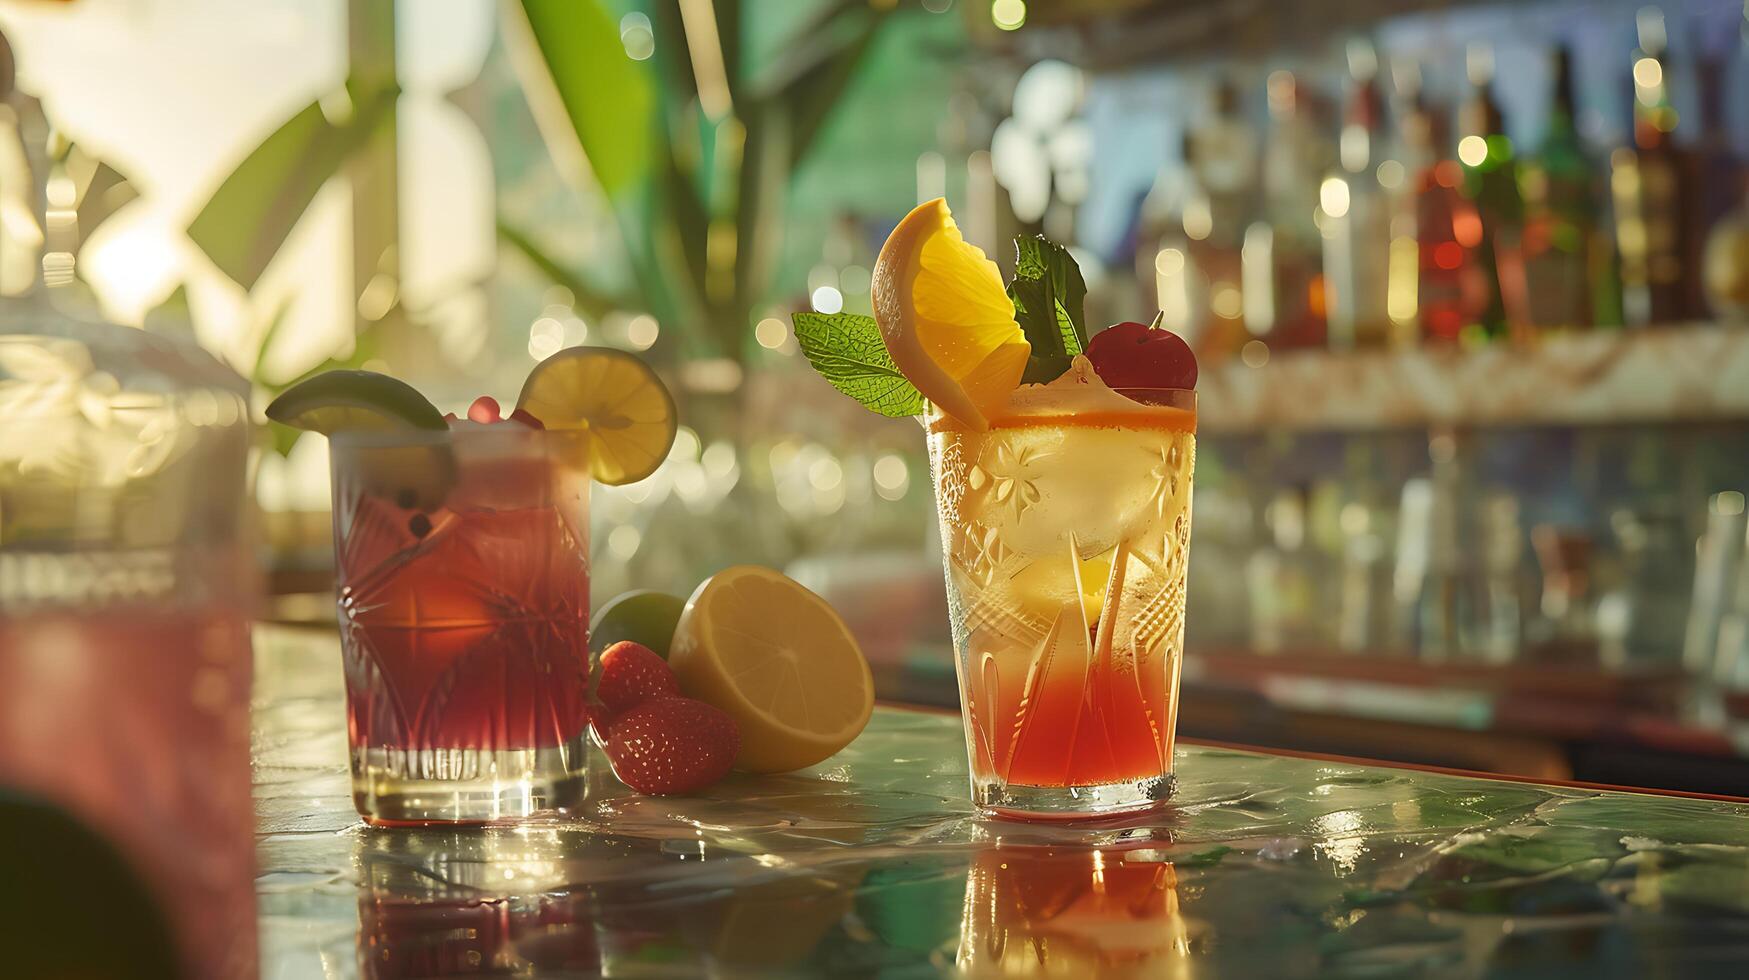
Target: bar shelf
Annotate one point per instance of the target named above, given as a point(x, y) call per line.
point(1688, 373)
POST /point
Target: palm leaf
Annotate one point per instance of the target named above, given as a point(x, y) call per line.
point(247, 219)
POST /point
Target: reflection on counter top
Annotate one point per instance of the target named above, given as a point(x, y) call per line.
point(874, 863)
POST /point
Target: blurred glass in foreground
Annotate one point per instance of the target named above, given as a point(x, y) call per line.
point(124, 597)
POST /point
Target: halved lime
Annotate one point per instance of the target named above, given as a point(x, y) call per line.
point(642, 616)
point(627, 409)
point(352, 401)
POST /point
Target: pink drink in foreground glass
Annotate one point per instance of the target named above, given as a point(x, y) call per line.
point(464, 616)
point(126, 588)
point(137, 721)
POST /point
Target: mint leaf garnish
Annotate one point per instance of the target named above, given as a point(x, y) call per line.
point(1048, 294)
point(847, 350)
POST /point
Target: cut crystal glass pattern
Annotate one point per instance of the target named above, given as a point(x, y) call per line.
point(1066, 556)
point(473, 637)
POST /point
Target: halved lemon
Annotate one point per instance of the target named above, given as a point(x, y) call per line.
point(777, 658)
point(627, 409)
point(946, 319)
point(352, 401)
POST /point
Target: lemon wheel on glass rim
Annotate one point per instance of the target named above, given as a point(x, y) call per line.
point(625, 407)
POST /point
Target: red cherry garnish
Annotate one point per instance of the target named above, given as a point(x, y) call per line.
point(1134, 355)
point(485, 410)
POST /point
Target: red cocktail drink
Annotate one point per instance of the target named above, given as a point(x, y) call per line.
point(464, 613)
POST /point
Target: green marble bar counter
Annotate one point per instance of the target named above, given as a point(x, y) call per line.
point(874, 864)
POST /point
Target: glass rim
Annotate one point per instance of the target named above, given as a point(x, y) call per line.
point(503, 433)
point(1170, 399)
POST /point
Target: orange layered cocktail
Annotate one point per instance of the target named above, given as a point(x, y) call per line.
point(1066, 528)
point(1062, 470)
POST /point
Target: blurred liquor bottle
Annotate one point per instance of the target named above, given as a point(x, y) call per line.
point(1500, 631)
point(1163, 249)
point(1354, 214)
point(1569, 263)
point(1644, 618)
point(1366, 526)
point(1222, 154)
point(1363, 606)
point(1652, 209)
point(1439, 596)
point(1287, 579)
point(1568, 628)
point(1408, 158)
point(1282, 256)
point(1497, 292)
point(1717, 175)
point(1447, 228)
point(1227, 537)
point(1718, 563)
point(1725, 271)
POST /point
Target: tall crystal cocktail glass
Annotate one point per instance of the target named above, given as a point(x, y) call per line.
point(464, 619)
point(1066, 535)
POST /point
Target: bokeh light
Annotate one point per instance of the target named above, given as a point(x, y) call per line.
point(637, 37)
point(827, 299)
point(642, 331)
point(770, 333)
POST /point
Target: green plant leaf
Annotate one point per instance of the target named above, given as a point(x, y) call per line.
point(607, 97)
point(275, 321)
point(848, 352)
point(248, 218)
point(365, 347)
point(588, 300)
point(816, 70)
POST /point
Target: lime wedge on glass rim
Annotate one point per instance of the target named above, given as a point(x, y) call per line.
point(354, 401)
point(416, 473)
point(625, 407)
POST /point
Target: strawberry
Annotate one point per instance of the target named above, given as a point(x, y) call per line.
point(670, 745)
point(632, 673)
point(1134, 355)
point(600, 724)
